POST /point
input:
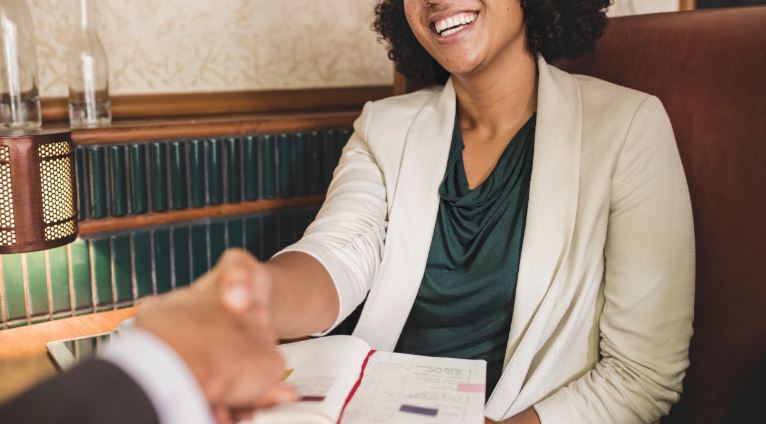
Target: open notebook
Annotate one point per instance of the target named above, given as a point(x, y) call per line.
point(340, 379)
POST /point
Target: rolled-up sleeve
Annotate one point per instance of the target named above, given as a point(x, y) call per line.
point(349, 231)
point(646, 322)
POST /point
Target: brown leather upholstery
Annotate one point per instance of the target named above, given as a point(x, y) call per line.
point(709, 69)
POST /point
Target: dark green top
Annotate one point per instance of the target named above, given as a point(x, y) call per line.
point(464, 305)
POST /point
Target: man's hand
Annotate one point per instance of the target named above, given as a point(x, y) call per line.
point(219, 327)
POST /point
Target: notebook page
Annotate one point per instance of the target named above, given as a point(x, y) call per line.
point(412, 389)
point(323, 371)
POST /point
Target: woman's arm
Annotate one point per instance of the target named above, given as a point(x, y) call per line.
point(646, 321)
point(303, 297)
point(322, 278)
point(300, 298)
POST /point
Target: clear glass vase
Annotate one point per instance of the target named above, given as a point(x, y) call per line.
point(89, 104)
point(19, 99)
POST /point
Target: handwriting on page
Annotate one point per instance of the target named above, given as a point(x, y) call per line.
point(411, 389)
point(311, 388)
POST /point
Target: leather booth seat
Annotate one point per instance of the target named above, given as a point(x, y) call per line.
point(709, 69)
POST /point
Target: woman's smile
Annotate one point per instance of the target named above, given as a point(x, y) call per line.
point(447, 27)
point(467, 36)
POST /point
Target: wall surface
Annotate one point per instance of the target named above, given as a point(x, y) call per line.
point(218, 45)
point(636, 7)
point(176, 46)
point(228, 45)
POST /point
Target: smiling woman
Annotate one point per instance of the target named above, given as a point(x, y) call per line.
point(509, 212)
point(553, 28)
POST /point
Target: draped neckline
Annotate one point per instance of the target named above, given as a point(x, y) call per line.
point(455, 190)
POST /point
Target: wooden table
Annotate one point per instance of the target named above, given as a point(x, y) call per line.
point(23, 356)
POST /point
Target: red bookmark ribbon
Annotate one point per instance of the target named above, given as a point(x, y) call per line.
point(356, 385)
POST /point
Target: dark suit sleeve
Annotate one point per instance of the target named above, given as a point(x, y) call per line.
point(96, 391)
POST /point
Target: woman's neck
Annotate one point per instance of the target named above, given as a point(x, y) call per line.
point(499, 98)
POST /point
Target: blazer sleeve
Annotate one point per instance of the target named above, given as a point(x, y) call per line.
point(646, 322)
point(348, 234)
point(95, 392)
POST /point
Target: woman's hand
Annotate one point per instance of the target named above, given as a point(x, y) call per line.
point(293, 292)
point(529, 416)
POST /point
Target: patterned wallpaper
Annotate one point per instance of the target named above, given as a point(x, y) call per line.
point(218, 45)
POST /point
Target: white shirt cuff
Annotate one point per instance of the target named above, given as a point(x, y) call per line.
point(162, 374)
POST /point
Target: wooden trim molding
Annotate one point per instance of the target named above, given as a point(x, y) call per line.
point(154, 106)
point(687, 4)
point(211, 127)
point(133, 222)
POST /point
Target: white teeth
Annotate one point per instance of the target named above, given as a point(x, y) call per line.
point(450, 32)
point(448, 26)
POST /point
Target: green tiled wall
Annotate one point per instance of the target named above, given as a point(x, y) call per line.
point(111, 271)
point(136, 178)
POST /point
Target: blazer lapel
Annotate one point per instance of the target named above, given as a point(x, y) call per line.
point(411, 223)
point(550, 221)
point(550, 224)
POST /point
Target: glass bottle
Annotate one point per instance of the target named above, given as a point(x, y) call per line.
point(19, 99)
point(89, 104)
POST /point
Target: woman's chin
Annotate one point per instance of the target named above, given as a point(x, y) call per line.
point(460, 61)
point(463, 70)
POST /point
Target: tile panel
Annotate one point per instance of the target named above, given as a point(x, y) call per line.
point(112, 271)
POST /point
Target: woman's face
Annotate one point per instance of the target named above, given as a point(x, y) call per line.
point(465, 36)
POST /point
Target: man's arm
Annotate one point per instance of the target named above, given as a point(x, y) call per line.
point(161, 374)
point(95, 392)
point(193, 354)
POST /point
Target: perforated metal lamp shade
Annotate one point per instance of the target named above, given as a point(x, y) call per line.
point(38, 204)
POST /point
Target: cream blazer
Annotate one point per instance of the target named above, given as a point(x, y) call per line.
point(604, 299)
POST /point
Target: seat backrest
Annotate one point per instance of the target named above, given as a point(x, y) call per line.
point(709, 69)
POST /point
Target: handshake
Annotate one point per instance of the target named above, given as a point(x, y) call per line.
point(220, 326)
point(199, 354)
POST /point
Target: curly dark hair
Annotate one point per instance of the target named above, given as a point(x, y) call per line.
point(554, 28)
